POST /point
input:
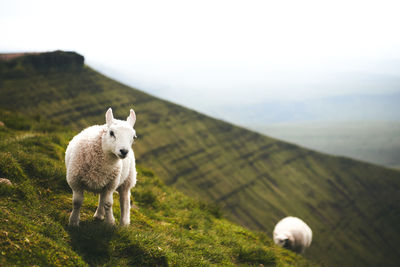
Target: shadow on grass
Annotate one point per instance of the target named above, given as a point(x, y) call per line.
point(102, 245)
point(137, 248)
point(91, 240)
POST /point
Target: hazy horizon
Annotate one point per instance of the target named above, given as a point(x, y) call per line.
point(217, 56)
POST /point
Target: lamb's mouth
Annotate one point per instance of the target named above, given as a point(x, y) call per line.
point(122, 156)
point(286, 244)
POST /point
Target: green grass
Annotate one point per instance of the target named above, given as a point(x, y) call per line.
point(167, 229)
point(352, 207)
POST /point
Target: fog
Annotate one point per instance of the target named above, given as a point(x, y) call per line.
point(215, 56)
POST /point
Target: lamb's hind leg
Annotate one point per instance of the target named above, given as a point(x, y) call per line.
point(77, 199)
point(125, 204)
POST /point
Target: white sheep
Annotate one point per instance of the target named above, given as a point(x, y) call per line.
point(292, 233)
point(100, 159)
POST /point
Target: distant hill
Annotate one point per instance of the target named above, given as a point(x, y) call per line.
point(352, 207)
point(371, 141)
point(356, 107)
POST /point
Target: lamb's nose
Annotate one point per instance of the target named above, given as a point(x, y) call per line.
point(123, 152)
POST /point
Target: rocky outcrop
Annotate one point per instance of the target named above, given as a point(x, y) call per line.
point(58, 60)
point(5, 181)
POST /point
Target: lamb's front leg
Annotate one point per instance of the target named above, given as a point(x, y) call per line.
point(77, 199)
point(100, 211)
point(108, 202)
point(125, 204)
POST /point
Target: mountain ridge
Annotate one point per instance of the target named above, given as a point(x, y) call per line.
point(351, 206)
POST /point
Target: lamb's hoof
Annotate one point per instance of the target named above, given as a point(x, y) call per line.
point(124, 224)
point(73, 221)
point(110, 222)
point(98, 217)
point(73, 224)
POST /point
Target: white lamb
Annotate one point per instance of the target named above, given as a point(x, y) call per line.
point(292, 233)
point(100, 159)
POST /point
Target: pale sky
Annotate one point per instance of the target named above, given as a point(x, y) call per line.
point(203, 54)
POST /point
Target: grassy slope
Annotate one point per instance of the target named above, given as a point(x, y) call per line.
point(352, 207)
point(168, 228)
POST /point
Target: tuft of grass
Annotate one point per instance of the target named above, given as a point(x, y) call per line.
point(147, 199)
point(255, 256)
point(10, 168)
point(14, 120)
point(7, 190)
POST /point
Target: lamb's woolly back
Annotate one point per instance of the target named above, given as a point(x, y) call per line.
point(87, 140)
point(293, 233)
point(86, 159)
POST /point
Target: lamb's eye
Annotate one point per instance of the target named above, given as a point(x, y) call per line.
point(112, 134)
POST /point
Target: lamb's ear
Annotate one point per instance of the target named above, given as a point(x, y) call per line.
point(109, 117)
point(131, 118)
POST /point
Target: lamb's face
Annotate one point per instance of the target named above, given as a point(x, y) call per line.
point(118, 138)
point(283, 240)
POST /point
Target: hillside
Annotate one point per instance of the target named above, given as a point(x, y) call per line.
point(352, 207)
point(168, 228)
